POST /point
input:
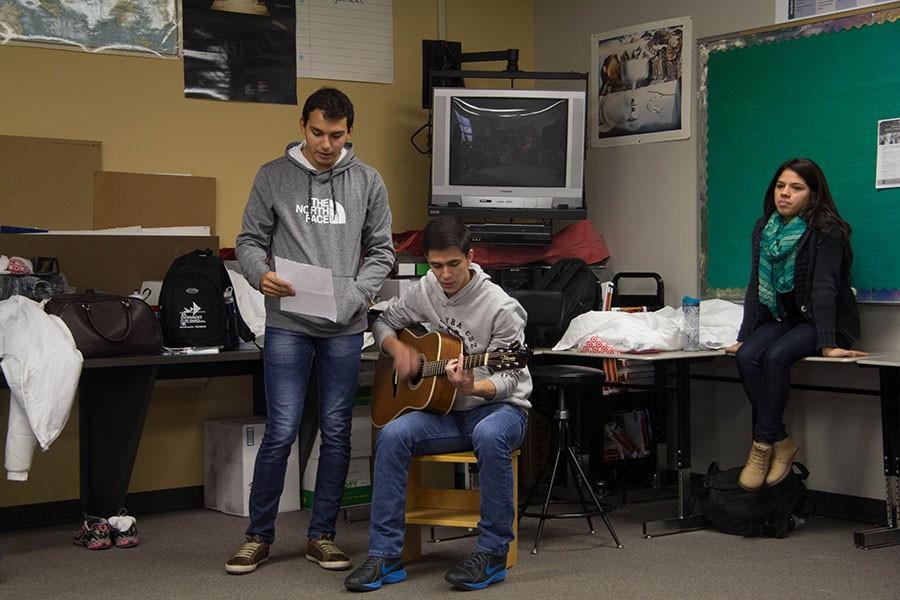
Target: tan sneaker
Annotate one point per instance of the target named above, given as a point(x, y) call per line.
point(325, 552)
point(253, 553)
point(753, 475)
point(783, 454)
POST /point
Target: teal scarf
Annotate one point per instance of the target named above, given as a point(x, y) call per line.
point(777, 255)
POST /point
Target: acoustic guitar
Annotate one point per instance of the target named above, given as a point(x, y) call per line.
point(428, 388)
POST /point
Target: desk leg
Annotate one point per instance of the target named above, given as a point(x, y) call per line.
point(890, 433)
point(685, 521)
point(112, 407)
point(259, 390)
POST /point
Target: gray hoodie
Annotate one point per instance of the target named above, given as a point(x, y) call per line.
point(481, 314)
point(337, 219)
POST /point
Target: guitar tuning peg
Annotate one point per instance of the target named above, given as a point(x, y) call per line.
point(515, 345)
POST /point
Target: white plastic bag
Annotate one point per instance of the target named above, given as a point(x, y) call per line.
point(626, 332)
point(660, 330)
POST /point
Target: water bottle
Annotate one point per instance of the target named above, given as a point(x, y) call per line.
point(690, 307)
point(232, 340)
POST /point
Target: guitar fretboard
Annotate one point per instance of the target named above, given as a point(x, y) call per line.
point(433, 368)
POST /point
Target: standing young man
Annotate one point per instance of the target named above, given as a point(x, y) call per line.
point(489, 414)
point(318, 205)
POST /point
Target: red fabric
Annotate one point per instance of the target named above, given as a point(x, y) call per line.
point(578, 240)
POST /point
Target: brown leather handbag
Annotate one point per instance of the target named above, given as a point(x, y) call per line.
point(108, 325)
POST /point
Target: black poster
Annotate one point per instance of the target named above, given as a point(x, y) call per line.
point(241, 50)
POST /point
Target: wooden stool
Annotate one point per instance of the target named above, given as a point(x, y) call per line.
point(445, 507)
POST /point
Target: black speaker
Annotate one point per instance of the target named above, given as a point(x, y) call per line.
point(439, 55)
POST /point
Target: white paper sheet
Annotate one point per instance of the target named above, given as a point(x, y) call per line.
point(887, 164)
point(352, 41)
point(313, 286)
point(790, 10)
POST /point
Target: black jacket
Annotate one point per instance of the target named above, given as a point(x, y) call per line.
point(821, 289)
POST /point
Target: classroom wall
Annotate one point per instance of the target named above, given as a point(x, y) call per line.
point(641, 195)
point(135, 107)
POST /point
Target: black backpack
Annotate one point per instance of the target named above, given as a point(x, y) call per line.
point(197, 305)
point(579, 286)
point(767, 512)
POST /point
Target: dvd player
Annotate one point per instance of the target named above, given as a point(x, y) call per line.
point(510, 233)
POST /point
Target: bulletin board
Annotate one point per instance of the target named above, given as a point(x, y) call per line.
point(814, 90)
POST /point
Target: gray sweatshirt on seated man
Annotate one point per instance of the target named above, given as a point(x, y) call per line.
point(481, 315)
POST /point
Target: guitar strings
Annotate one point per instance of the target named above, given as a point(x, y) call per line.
point(433, 368)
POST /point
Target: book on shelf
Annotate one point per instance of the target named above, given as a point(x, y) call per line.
point(627, 435)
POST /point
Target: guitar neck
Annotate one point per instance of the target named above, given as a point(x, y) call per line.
point(433, 368)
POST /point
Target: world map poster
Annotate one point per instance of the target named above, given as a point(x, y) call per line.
point(149, 26)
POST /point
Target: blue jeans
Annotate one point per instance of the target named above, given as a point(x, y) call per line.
point(493, 430)
point(764, 362)
point(287, 357)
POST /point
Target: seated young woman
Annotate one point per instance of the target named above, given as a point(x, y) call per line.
point(798, 303)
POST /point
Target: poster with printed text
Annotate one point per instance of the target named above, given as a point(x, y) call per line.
point(887, 163)
point(790, 10)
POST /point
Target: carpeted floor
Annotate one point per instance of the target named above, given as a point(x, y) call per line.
point(182, 555)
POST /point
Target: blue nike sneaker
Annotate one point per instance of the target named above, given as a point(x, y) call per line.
point(375, 572)
point(477, 571)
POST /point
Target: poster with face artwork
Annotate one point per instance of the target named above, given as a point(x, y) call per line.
point(640, 83)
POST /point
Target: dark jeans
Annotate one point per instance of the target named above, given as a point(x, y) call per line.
point(764, 362)
point(494, 430)
point(287, 358)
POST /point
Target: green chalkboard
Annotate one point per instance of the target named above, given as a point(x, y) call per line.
point(816, 91)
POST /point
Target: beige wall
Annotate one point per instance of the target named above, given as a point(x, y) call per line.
point(136, 108)
point(643, 199)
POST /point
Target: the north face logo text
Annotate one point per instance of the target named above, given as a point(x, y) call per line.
point(323, 210)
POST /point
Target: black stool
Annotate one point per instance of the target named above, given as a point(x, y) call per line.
point(563, 377)
point(546, 308)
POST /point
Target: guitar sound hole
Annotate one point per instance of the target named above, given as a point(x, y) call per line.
point(416, 377)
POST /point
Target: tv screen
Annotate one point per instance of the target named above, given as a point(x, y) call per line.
point(513, 142)
point(508, 150)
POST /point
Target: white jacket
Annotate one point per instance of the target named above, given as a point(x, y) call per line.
point(42, 368)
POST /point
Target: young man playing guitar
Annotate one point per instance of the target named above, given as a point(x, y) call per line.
point(489, 413)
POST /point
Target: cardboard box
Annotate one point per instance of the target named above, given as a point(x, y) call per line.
point(365, 381)
point(229, 452)
point(393, 288)
point(153, 200)
point(360, 434)
point(357, 490)
point(48, 183)
point(116, 264)
point(406, 269)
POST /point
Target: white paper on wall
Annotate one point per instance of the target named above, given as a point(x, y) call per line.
point(347, 40)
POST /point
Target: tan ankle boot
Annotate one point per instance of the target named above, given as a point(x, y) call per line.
point(753, 476)
point(783, 454)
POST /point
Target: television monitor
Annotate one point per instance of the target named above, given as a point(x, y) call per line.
point(508, 150)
